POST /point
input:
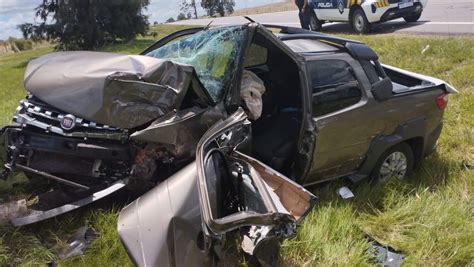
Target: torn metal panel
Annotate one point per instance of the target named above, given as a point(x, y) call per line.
point(163, 227)
point(33, 214)
point(179, 131)
point(123, 91)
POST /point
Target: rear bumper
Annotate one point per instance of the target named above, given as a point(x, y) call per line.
point(396, 13)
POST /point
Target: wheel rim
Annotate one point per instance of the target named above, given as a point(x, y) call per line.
point(394, 166)
point(359, 22)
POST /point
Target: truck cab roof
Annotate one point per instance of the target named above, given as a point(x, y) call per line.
point(305, 41)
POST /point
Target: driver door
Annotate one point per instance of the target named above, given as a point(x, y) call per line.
point(237, 191)
point(183, 220)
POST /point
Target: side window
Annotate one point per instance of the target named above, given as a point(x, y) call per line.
point(257, 55)
point(334, 86)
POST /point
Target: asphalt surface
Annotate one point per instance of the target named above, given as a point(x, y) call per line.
point(443, 17)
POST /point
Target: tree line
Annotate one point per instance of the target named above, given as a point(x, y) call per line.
point(89, 24)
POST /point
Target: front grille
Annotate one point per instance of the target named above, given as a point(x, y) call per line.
point(33, 112)
point(53, 117)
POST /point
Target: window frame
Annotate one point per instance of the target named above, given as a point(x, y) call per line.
point(355, 66)
point(247, 55)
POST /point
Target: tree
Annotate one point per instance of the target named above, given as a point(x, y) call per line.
point(181, 16)
point(87, 24)
point(220, 7)
point(188, 7)
point(170, 20)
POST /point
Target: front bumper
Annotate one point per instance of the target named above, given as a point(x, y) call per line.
point(40, 155)
point(396, 13)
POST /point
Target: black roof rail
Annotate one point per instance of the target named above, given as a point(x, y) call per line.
point(298, 33)
point(356, 49)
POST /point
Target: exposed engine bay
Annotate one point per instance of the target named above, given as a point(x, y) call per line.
point(143, 131)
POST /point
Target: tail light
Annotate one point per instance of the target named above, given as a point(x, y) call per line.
point(442, 101)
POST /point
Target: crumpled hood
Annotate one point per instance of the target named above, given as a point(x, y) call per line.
point(123, 91)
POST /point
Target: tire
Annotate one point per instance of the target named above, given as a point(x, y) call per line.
point(359, 22)
point(314, 23)
point(395, 163)
point(412, 18)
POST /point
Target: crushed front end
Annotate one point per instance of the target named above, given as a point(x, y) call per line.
point(94, 123)
point(73, 161)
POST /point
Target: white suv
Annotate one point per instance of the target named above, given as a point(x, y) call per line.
point(362, 13)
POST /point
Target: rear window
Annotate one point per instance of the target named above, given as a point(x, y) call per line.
point(305, 45)
point(334, 86)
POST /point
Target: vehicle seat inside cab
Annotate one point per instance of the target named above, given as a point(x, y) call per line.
point(275, 133)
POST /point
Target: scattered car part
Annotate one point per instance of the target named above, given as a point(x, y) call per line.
point(58, 202)
point(386, 256)
point(12, 210)
point(78, 243)
point(345, 192)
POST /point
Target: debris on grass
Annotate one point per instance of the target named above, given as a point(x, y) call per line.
point(12, 210)
point(425, 49)
point(386, 256)
point(345, 192)
point(78, 243)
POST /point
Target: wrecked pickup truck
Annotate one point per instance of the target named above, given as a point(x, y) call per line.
point(316, 108)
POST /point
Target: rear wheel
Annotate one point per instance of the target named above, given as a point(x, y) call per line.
point(396, 163)
point(314, 23)
point(359, 22)
point(412, 18)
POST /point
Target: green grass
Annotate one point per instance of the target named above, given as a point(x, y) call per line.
point(429, 217)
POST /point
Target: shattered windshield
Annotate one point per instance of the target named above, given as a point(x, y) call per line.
point(213, 53)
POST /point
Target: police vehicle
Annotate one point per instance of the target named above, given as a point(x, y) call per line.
point(362, 13)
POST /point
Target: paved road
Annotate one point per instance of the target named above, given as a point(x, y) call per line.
point(446, 17)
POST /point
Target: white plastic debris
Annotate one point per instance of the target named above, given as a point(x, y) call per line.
point(251, 92)
point(425, 49)
point(12, 210)
point(345, 192)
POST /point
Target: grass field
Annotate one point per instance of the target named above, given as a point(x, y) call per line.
point(429, 217)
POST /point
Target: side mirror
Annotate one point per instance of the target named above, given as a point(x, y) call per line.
point(383, 89)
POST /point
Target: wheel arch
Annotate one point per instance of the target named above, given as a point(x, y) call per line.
point(410, 132)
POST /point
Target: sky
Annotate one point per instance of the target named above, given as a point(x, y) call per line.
point(15, 12)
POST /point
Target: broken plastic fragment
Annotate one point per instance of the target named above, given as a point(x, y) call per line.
point(78, 243)
point(345, 192)
point(425, 49)
point(386, 256)
point(12, 210)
